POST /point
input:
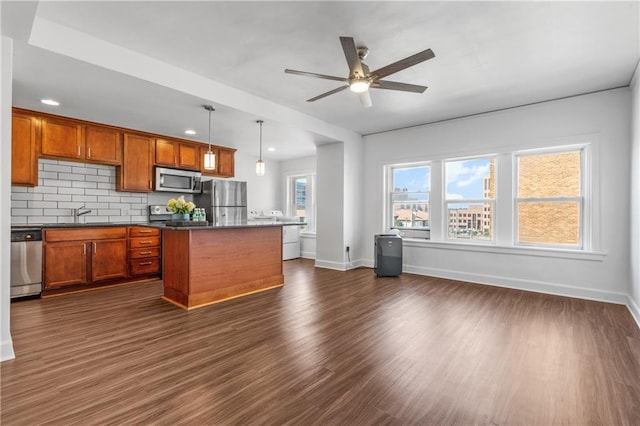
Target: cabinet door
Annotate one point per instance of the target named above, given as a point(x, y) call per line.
point(61, 138)
point(135, 174)
point(166, 152)
point(203, 151)
point(189, 156)
point(24, 150)
point(108, 259)
point(225, 162)
point(65, 264)
point(103, 145)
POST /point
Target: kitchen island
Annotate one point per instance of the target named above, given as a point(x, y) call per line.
point(203, 265)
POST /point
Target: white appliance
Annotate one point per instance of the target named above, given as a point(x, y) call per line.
point(290, 235)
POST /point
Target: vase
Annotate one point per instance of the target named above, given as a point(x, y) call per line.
point(178, 217)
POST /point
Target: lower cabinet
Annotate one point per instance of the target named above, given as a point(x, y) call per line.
point(144, 251)
point(76, 259)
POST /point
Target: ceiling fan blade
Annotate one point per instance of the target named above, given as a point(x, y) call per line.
point(330, 92)
point(403, 63)
point(365, 99)
point(394, 85)
point(312, 74)
point(351, 54)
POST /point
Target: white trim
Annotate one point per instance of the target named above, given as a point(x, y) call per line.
point(514, 250)
point(6, 350)
point(326, 264)
point(308, 254)
point(634, 309)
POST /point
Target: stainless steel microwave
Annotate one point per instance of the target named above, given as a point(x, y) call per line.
point(174, 180)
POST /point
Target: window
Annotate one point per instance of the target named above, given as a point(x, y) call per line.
point(550, 198)
point(470, 188)
point(410, 196)
point(301, 200)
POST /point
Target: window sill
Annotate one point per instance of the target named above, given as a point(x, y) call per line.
point(512, 250)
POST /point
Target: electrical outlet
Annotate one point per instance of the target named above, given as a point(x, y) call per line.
point(347, 249)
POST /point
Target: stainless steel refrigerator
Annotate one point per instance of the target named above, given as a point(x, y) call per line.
point(225, 201)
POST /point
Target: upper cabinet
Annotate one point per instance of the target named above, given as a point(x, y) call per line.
point(71, 140)
point(103, 145)
point(25, 143)
point(61, 138)
point(135, 174)
point(36, 134)
point(225, 163)
point(183, 155)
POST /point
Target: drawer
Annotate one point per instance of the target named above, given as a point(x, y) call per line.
point(141, 242)
point(144, 266)
point(88, 233)
point(144, 252)
point(141, 231)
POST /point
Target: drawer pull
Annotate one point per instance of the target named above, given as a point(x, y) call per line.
point(145, 231)
point(146, 242)
point(145, 263)
point(145, 252)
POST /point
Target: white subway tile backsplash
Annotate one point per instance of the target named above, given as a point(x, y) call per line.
point(63, 186)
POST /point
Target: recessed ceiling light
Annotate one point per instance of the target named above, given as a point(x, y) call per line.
point(271, 149)
point(49, 102)
point(190, 132)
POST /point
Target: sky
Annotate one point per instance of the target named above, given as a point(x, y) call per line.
point(464, 178)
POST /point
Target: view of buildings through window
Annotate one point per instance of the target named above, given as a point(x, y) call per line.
point(410, 196)
point(549, 202)
point(470, 196)
point(301, 200)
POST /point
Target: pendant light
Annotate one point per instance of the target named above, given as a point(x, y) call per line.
point(209, 157)
point(260, 163)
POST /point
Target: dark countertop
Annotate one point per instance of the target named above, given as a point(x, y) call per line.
point(247, 224)
point(161, 225)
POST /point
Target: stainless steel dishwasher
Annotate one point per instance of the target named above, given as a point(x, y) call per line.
point(26, 262)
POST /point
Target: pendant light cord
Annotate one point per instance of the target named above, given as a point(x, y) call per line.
point(260, 122)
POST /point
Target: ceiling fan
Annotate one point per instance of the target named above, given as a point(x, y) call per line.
point(360, 79)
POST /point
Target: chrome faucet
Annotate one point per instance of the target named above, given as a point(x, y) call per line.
point(77, 213)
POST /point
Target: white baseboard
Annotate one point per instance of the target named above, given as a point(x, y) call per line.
point(308, 254)
point(6, 350)
point(634, 309)
point(337, 266)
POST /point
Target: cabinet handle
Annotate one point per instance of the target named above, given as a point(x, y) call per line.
point(145, 231)
point(78, 150)
point(145, 252)
point(89, 156)
point(145, 263)
point(95, 248)
point(84, 250)
point(150, 184)
point(145, 242)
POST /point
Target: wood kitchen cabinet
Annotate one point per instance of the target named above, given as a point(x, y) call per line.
point(25, 147)
point(81, 257)
point(135, 173)
point(61, 138)
point(225, 166)
point(72, 140)
point(183, 155)
point(144, 251)
point(102, 145)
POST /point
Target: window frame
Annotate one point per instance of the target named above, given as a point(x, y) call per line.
point(310, 217)
point(389, 223)
point(584, 199)
point(446, 202)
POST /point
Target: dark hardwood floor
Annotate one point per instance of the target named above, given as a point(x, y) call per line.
point(328, 348)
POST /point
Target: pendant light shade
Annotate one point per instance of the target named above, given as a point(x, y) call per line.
point(260, 169)
point(209, 157)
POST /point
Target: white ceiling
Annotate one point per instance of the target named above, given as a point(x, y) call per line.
point(163, 60)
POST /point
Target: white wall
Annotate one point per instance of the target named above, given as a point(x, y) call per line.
point(263, 192)
point(6, 72)
point(330, 206)
point(605, 116)
point(353, 198)
point(634, 290)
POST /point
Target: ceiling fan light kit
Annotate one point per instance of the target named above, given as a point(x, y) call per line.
point(360, 79)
